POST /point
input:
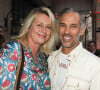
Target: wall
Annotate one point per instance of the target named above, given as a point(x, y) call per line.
point(98, 15)
point(5, 7)
point(98, 24)
point(77, 4)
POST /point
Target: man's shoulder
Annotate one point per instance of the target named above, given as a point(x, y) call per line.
point(54, 52)
point(88, 56)
point(53, 55)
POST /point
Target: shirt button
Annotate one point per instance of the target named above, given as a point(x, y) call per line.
point(68, 55)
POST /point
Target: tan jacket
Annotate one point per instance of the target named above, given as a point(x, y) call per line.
point(83, 71)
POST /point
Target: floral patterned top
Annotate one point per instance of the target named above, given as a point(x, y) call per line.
point(34, 75)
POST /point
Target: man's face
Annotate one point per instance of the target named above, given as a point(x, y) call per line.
point(1, 31)
point(91, 47)
point(69, 29)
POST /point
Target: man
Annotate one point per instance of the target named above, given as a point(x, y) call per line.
point(1, 30)
point(72, 67)
point(92, 48)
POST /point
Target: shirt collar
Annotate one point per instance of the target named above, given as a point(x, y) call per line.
point(75, 52)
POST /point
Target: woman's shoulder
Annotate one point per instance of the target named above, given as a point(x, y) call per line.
point(11, 44)
point(10, 51)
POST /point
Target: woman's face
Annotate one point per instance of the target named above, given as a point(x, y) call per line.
point(40, 30)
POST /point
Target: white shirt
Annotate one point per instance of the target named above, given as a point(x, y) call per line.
point(62, 69)
point(83, 73)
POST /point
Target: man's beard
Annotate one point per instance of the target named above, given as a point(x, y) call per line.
point(74, 41)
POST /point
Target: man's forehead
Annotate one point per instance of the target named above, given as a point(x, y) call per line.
point(70, 19)
point(70, 15)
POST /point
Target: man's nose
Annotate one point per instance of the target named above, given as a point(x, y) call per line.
point(67, 30)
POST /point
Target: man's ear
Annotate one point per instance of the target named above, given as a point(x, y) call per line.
point(83, 30)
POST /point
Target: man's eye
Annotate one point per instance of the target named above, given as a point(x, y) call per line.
point(62, 25)
point(74, 26)
point(39, 25)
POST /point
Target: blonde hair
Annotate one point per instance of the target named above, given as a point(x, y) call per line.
point(47, 47)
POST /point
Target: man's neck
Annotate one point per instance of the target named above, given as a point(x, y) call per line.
point(69, 50)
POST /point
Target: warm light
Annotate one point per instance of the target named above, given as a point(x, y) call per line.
point(97, 12)
point(98, 1)
point(97, 19)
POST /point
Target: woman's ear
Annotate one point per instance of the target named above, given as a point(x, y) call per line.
point(83, 30)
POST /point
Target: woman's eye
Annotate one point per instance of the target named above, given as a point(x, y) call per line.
point(62, 25)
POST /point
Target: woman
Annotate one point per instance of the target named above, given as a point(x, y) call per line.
point(36, 37)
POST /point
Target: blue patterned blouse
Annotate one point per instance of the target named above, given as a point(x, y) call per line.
point(34, 76)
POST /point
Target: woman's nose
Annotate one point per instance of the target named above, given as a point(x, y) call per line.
point(44, 29)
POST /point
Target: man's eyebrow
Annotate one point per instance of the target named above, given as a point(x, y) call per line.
point(61, 23)
point(74, 24)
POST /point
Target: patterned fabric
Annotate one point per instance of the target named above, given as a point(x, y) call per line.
point(34, 76)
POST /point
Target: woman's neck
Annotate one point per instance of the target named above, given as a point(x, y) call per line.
point(34, 47)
